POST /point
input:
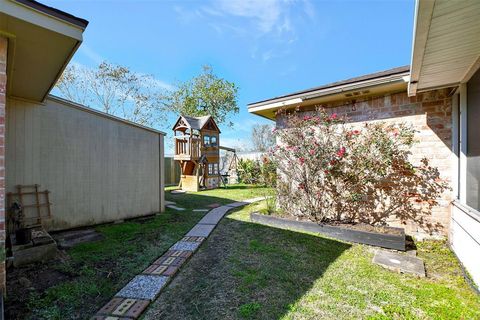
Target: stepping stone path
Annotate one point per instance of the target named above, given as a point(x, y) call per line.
point(132, 300)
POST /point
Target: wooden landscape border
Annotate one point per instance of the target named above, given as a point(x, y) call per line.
point(389, 241)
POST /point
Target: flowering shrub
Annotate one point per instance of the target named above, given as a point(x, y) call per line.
point(331, 171)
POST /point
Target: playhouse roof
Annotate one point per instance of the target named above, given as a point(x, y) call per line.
point(197, 123)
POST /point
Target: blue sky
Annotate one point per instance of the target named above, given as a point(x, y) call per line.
point(267, 47)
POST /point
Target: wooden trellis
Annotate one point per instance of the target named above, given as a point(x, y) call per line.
point(29, 197)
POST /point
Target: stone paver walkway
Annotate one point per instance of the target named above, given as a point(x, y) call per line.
point(132, 300)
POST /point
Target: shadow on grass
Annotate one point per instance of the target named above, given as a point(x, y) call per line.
point(247, 271)
point(220, 196)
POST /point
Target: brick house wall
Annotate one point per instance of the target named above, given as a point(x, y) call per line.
point(3, 101)
point(431, 115)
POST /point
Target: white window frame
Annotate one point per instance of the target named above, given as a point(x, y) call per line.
point(463, 134)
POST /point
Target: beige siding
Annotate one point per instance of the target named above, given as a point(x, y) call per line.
point(98, 169)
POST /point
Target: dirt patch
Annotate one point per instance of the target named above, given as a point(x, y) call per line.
point(366, 227)
point(31, 279)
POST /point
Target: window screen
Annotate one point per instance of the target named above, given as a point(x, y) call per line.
point(473, 142)
point(213, 141)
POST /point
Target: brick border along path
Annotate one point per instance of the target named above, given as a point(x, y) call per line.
point(134, 298)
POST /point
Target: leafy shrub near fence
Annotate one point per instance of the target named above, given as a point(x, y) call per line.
point(329, 170)
point(262, 172)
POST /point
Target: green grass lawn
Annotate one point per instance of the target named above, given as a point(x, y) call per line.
point(91, 273)
point(249, 271)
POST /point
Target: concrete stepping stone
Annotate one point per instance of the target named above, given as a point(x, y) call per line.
point(97, 317)
point(185, 246)
point(215, 215)
point(201, 210)
point(175, 207)
point(214, 205)
point(167, 203)
point(178, 253)
point(399, 262)
point(178, 191)
point(167, 260)
point(237, 204)
point(201, 230)
point(193, 239)
point(145, 287)
point(124, 307)
point(161, 270)
point(252, 200)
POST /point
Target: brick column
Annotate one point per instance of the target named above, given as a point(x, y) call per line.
point(3, 102)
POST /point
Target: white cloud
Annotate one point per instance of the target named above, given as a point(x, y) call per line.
point(265, 13)
point(268, 25)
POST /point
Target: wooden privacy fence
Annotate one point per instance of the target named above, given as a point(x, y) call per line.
point(172, 172)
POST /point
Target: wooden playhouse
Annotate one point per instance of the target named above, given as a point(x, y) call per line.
point(197, 149)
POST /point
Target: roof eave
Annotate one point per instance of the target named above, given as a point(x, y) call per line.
point(421, 27)
point(278, 103)
point(55, 13)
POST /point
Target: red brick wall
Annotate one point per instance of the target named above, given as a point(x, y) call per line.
point(430, 114)
point(3, 90)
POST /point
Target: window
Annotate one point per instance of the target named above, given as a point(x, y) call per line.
point(213, 141)
point(213, 169)
point(206, 141)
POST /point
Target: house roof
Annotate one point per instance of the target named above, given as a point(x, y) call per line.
point(369, 76)
point(390, 80)
point(446, 44)
point(55, 12)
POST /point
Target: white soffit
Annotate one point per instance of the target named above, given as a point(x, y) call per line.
point(446, 47)
point(40, 46)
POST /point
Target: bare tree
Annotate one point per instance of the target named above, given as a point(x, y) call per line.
point(116, 90)
point(262, 137)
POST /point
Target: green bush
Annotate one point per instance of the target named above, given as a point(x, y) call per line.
point(257, 172)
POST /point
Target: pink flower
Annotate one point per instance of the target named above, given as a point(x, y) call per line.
point(306, 118)
point(356, 132)
point(312, 152)
point(301, 160)
point(341, 152)
point(333, 116)
point(301, 186)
